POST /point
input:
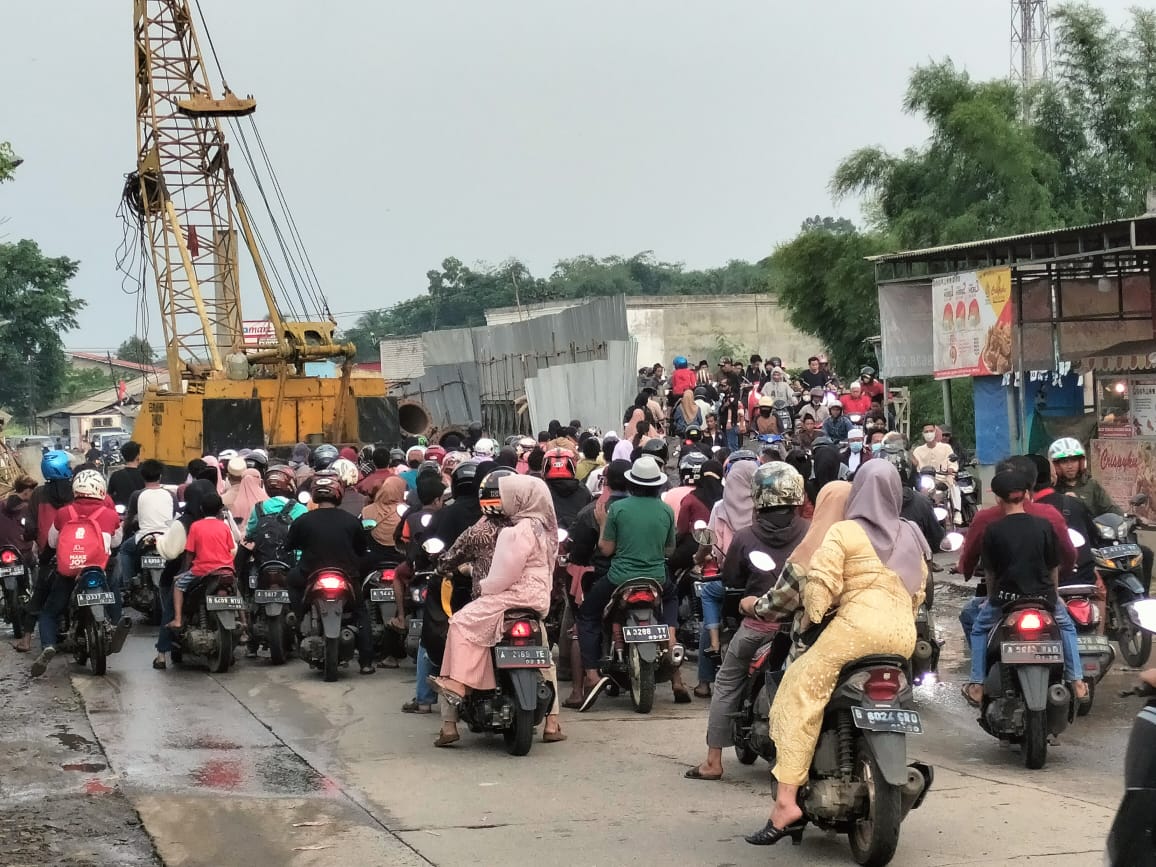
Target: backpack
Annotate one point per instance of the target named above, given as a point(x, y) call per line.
point(271, 535)
point(81, 544)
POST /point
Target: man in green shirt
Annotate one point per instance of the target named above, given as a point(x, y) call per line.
point(637, 536)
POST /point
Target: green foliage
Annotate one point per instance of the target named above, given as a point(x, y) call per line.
point(927, 406)
point(8, 161)
point(82, 382)
point(137, 350)
point(724, 347)
point(38, 308)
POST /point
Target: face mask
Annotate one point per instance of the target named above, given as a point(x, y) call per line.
point(876, 448)
point(856, 447)
point(928, 437)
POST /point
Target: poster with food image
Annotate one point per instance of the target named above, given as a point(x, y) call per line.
point(973, 335)
point(1142, 405)
point(1126, 468)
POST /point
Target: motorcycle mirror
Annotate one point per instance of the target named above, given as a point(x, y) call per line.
point(1078, 540)
point(181, 505)
point(562, 535)
point(433, 546)
point(951, 542)
point(1139, 500)
point(940, 513)
point(953, 457)
point(761, 560)
point(1143, 611)
point(926, 483)
point(426, 519)
point(402, 508)
point(304, 498)
point(120, 510)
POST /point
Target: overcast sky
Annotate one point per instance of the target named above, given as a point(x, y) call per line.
point(408, 132)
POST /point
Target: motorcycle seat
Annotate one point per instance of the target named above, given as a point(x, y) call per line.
point(620, 592)
point(873, 661)
point(522, 614)
point(1078, 590)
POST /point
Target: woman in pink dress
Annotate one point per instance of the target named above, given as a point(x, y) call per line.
point(521, 576)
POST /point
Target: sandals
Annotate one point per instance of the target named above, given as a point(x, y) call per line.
point(593, 693)
point(413, 706)
point(702, 691)
point(681, 696)
point(553, 737)
point(445, 740)
point(974, 702)
point(20, 649)
point(695, 774)
point(368, 669)
point(448, 694)
point(159, 664)
point(769, 835)
point(389, 662)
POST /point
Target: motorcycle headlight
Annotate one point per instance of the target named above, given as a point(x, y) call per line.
point(1122, 533)
point(1106, 532)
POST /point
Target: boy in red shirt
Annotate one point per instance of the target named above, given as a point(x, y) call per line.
point(209, 548)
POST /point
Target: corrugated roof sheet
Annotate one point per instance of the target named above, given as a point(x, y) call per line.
point(402, 359)
point(134, 390)
point(100, 358)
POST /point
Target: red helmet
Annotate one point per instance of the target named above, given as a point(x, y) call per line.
point(280, 481)
point(326, 487)
point(559, 464)
point(436, 454)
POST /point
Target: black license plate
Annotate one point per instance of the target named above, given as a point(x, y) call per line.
point(152, 561)
point(86, 600)
point(224, 603)
point(6, 571)
point(642, 634)
point(1031, 652)
point(1113, 551)
point(382, 594)
point(887, 719)
point(522, 657)
point(263, 596)
point(1094, 644)
point(415, 626)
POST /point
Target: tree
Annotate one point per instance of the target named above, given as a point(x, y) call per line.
point(8, 161)
point(80, 382)
point(136, 350)
point(37, 308)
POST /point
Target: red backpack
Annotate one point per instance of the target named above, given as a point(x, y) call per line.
point(81, 544)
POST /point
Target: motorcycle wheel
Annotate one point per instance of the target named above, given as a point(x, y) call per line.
point(95, 639)
point(1135, 643)
point(11, 610)
point(1084, 708)
point(80, 646)
point(641, 682)
point(519, 737)
point(276, 627)
point(332, 649)
point(1035, 745)
point(223, 658)
point(744, 751)
point(875, 837)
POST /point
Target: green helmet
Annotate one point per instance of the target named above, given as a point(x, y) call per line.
point(776, 484)
point(1064, 448)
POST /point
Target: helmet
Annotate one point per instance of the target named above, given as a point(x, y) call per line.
point(396, 456)
point(559, 464)
point(488, 497)
point(454, 460)
point(324, 455)
point(817, 392)
point(693, 434)
point(465, 479)
point(429, 467)
point(690, 467)
point(485, 448)
point(55, 465)
point(423, 441)
point(894, 451)
point(700, 392)
point(738, 456)
point(257, 459)
point(346, 471)
point(680, 362)
point(776, 484)
point(436, 454)
point(280, 482)
point(775, 361)
point(227, 455)
point(414, 453)
point(766, 402)
point(89, 483)
point(526, 445)
point(656, 448)
point(512, 441)
point(867, 371)
point(1064, 448)
point(326, 487)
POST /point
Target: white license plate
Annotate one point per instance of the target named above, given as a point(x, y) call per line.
point(1031, 652)
point(88, 599)
point(5, 571)
point(263, 596)
point(1094, 644)
point(382, 594)
point(152, 561)
point(887, 719)
point(415, 626)
point(224, 603)
point(641, 634)
point(522, 657)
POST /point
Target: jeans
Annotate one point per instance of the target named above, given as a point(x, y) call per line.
point(55, 598)
point(589, 618)
point(712, 610)
point(989, 617)
point(732, 437)
point(127, 561)
point(968, 614)
point(164, 636)
point(425, 693)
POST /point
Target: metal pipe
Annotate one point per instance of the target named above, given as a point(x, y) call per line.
point(194, 286)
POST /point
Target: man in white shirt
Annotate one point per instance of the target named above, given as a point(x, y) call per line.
point(151, 511)
point(935, 453)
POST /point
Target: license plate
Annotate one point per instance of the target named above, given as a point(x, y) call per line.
point(1031, 652)
point(1113, 551)
point(224, 603)
point(87, 599)
point(640, 634)
point(6, 571)
point(415, 626)
point(263, 596)
point(382, 594)
point(1094, 644)
point(152, 561)
point(522, 657)
point(887, 719)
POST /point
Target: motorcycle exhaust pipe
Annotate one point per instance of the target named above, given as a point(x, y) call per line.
point(677, 655)
point(1059, 708)
point(348, 635)
point(923, 651)
point(120, 634)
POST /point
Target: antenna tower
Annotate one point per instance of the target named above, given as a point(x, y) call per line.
point(1031, 44)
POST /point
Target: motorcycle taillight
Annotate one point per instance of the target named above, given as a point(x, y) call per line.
point(1030, 622)
point(883, 684)
point(387, 574)
point(637, 596)
point(331, 582)
point(9, 557)
point(1082, 611)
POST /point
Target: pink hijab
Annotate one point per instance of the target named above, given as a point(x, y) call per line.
point(222, 482)
point(526, 499)
point(247, 495)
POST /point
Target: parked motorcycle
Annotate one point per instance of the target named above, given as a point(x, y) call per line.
point(143, 590)
point(970, 492)
point(89, 634)
point(15, 586)
point(523, 696)
point(1118, 565)
point(1024, 695)
point(272, 622)
point(210, 621)
point(329, 624)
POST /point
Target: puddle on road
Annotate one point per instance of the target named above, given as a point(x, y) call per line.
point(203, 743)
point(70, 739)
point(86, 767)
point(278, 772)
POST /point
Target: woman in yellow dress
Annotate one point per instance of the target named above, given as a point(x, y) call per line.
point(870, 571)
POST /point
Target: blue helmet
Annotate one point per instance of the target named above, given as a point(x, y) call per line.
point(56, 465)
point(680, 362)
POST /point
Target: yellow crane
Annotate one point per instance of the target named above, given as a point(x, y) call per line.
point(224, 391)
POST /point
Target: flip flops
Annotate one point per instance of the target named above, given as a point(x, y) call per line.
point(695, 774)
point(593, 693)
point(967, 695)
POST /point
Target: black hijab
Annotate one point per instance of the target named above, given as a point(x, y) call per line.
point(195, 495)
point(709, 487)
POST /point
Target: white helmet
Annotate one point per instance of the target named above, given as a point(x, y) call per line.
point(346, 471)
point(89, 483)
point(485, 448)
point(1064, 448)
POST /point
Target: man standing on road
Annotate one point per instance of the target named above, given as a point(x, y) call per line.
point(127, 480)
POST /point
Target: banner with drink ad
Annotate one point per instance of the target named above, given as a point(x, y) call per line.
point(1126, 468)
point(971, 323)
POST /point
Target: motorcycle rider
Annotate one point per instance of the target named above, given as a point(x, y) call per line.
point(814, 377)
point(591, 460)
point(855, 402)
point(12, 513)
point(1077, 516)
point(123, 483)
point(777, 528)
point(568, 494)
point(766, 422)
point(936, 454)
point(853, 457)
point(149, 511)
point(382, 470)
point(837, 426)
point(689, 469)
point(916, 507)
point(1073, 480)
point(872, 387)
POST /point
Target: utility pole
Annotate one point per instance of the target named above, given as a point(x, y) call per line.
point(1031, 46)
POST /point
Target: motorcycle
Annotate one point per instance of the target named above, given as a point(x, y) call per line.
point(380, 591)
point(1024, 695)
point(1096, 653)
point(417, 590)
point(329, 627)
point(272, 621)
point(933, 485)
point(970, 492)
point(523, 696)
point(1118, 566)
point(15, 586)
point(144, 588)
point(89, 635)
point(210, 621)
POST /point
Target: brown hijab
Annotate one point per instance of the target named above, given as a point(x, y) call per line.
point(689, 407)
point(829, 510)
point(527, 499)
point(383, 510)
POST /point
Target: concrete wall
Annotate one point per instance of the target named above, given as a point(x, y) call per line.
point(670, 325)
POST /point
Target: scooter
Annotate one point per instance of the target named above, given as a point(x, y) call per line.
point(90, 635)
point(144, 588)
point(15, 586)
point(1096, 653)
point(1118, 565)
point(272, 622)
point(380, 590)
point(328, 627)
point(417, 590)
point(970, 492)
point(210, 621)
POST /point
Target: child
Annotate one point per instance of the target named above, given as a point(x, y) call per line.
point(209, 548)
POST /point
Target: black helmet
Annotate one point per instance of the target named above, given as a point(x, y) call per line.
point(489, 497)
point(693, 434)
point(474, 431)
point(690, 467)
point(700, 392)
point(324, 455)
point(428, 467)
point(464, 481)
point(258, 459)
point(326, 487)
point(656, 448)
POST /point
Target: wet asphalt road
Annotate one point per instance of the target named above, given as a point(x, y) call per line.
point(269, 766)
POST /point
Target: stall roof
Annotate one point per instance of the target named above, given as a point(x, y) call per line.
point(1122, 357)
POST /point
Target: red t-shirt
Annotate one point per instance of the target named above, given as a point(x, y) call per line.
point(872, 389)
point(683, 379)
point(851, 405)
point(211, 544)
